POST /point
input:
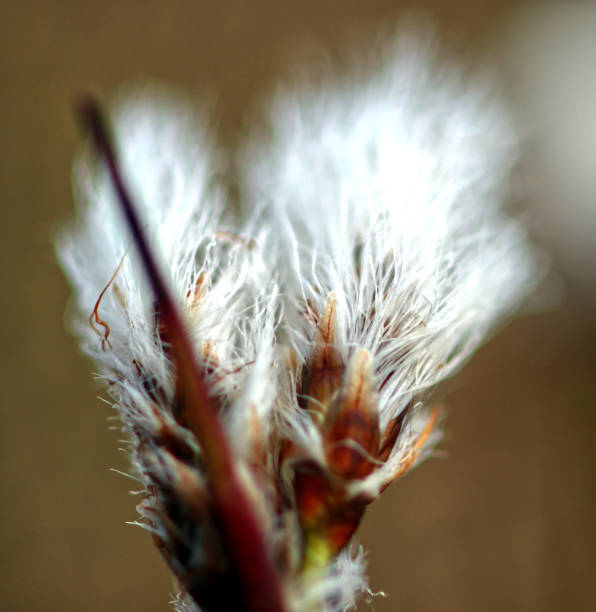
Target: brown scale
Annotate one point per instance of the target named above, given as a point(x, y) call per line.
point(167, 437)
point(324, 370)
point(354, 417)
point(418, 445)
point(198, 292)
point(392, 432)
point(150, 384)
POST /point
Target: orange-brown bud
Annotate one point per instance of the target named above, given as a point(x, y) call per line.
point(324, 370)
point(391, 433)
point(352, 422)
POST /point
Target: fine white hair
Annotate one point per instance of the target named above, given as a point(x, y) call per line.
point(388, 190)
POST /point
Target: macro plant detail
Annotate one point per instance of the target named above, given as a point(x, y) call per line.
point(273, 367)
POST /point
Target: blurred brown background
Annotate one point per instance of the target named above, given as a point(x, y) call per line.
point(505, 522)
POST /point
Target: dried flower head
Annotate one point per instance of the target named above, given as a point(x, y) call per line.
point(273, 370)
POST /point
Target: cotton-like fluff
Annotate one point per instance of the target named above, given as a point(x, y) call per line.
point(388, 190)
point(372, 257)
point(215, 267)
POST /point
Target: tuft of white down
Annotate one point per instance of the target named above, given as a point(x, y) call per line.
point(388, 189)
point(218, 276)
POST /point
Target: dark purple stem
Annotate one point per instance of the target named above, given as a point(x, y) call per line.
point(241, 532)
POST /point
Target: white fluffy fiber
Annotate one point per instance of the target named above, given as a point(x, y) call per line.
point(387, 189)
point(170, 163)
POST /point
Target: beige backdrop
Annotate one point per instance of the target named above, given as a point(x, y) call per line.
point(504, 522)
